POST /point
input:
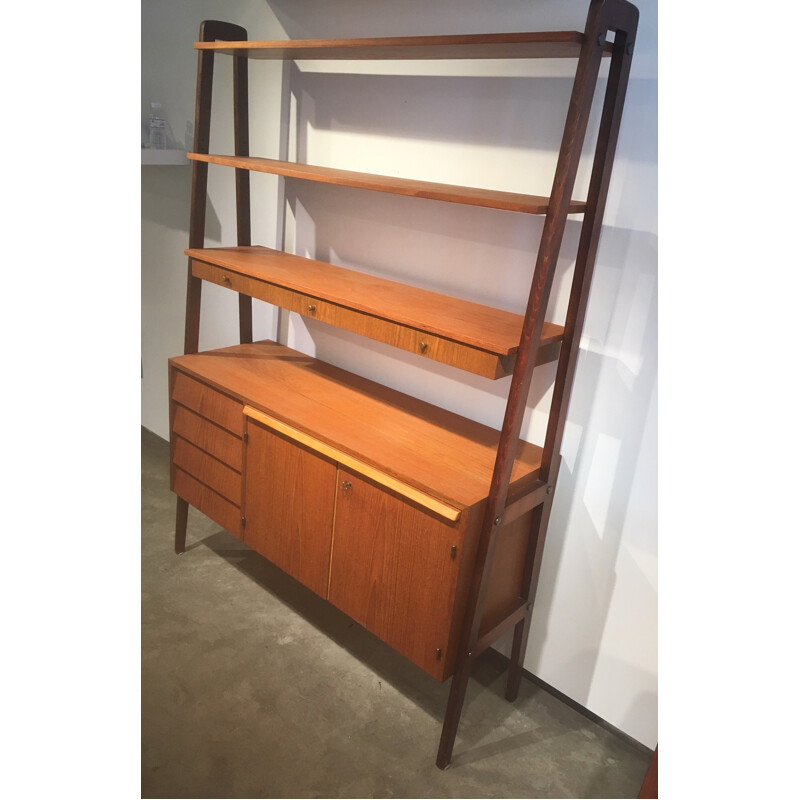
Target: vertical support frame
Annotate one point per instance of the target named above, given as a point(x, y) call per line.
point(210, 30)
point(604, 15)
point(241, 138)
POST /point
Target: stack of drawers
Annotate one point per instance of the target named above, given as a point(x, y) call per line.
point(206, 444)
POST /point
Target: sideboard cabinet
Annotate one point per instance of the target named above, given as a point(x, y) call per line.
point(382, 524)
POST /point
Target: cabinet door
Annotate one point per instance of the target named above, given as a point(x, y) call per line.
point(289, 497)
point(393, 570)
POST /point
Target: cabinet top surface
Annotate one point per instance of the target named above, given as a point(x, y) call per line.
point(542, 44)
point(443, 454)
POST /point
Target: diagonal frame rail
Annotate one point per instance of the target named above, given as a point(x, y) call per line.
point(621, 17)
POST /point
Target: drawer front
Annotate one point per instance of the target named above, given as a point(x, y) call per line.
point(213, 505)
point(208, 470)
point(404, 337)
point(209, 437)
point(208, 402)
point(472, 359)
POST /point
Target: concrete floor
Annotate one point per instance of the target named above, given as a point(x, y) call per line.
point(253, 687)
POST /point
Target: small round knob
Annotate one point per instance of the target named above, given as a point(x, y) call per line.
point(346, 485)
point(423, 346)
point(226, 279)
point(312, 308)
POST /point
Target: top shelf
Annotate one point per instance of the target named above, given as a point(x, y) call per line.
point(548, 44)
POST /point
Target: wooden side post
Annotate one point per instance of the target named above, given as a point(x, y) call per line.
point(242, 148)
point(211, 30)
point(604, 15)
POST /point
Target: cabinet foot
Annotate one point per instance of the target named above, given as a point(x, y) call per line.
point(517, 652)
point(455, 702)
point(181, 518)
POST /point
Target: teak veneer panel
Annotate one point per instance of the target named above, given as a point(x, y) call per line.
point(443, 454)
point(353, 464)
point(466, 335)
point(207, 469)
point(541, 44)
point(489, 198)
point(392, 571)
point(471, 359)
point(212, 405)
point(211, 503)
point(207, 436)
point(492, 329)
point(289, 503)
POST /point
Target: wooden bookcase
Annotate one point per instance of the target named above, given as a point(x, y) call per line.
point(425, 527)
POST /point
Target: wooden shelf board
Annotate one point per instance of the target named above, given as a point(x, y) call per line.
point(488, 328)
point(442, 454)
point(488, 198)
point(467, 335)
point(547, 44)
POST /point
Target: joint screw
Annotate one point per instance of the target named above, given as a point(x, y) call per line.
point(629, 48)
point(601, 39)
point(549, 490)
point(498, 520)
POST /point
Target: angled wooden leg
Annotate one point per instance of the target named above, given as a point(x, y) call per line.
point(181, 518)
point(517, 654)
point(455, 702)
point(530, 581)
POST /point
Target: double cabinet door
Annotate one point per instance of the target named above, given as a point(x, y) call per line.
point(388, 564)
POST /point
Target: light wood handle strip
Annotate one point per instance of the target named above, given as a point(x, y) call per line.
point(415, 495)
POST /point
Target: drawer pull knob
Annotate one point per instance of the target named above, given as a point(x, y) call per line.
point(347, 485)
point(312, 308)
point(423, 346)
point(226, 279)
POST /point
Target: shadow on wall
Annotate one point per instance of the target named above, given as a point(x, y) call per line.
point(502, 111)
point(601, 451)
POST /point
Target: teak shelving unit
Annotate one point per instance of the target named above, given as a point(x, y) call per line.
point(425, 527)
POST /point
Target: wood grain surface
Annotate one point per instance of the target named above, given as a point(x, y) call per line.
point(482, 326)
point(489, 198)
point(392, 571)
point(212, 504)
point(288, 506)
point(207, 436)
point(213, 405)
point(443, 454)
point(541, 44)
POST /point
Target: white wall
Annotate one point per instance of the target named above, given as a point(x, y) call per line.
point(482, 124)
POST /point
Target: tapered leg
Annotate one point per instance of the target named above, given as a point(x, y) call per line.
point(521, 630)
point(181, 518)
point(455, 702)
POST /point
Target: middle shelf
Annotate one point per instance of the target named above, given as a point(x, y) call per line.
point(467, 195)
point(470, 336)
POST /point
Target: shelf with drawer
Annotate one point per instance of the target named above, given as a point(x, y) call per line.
point(470, 336)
